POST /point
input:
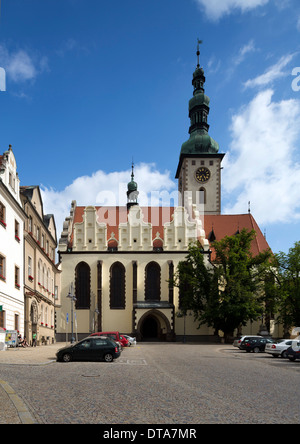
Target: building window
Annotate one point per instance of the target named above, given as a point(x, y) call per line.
point(152, 282)
point(30, 224)
point(117, 285)
point(17, 277)
point(2, 215)
point(202, 196)
point(30, 274)
point(17, 231)
point(82, 286)
point(2, 319)
point(17, 322)
point(38, 235)
point(2, 268)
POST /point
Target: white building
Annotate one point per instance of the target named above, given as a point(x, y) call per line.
point(12, 219)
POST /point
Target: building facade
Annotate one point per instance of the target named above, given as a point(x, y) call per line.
point(41, 274)
point(118, 262)
point(12, 218)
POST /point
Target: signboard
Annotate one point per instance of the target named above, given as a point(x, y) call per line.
point(2, 340)
point(11, 338)
point(67, 318)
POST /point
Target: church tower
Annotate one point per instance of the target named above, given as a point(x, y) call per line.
point(132, 191)
point(199, 167)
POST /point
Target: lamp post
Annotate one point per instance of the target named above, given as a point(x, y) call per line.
point(72, 297)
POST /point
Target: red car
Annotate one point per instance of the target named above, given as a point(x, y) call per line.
point(115, 335)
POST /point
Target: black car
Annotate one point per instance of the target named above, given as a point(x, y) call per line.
point(293, 352)
point(254, 344)
point(90, 349)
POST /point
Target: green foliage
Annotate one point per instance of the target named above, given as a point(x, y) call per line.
point(229, 293)
point(288, 286)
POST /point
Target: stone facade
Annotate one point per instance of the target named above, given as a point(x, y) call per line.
point(126, 284)
point(12, 219)
point(42, 276)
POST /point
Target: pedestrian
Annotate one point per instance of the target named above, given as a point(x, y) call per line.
point(34, 340)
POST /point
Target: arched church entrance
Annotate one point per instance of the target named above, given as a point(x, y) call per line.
point(150, 329)
point(154, 326)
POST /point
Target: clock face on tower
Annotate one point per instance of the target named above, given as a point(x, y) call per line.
point(202, 174)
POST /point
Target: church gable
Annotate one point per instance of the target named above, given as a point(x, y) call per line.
point(137, 229)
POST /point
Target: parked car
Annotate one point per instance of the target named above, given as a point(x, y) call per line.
point(255, 344)
point(132, 341)
point(237, 342)
point(293, 352)
point(124, 341)
point(279, 348)
point(89, 349)
point(115, 335)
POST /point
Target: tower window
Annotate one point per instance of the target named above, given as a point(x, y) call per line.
point(202, 196)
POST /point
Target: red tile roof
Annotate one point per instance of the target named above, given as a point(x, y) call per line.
point(218, 226)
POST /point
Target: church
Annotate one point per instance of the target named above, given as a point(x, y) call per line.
point(117, 263)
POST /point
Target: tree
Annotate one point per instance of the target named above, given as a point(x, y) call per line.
point(228, 294)
point(288, 287)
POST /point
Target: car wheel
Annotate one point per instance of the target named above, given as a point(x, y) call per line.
point(284, 354)
point(67, 357)
point(256, 350)
point(108, 357)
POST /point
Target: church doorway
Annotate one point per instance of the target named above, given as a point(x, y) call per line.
point(149, 329)
point(154, 326)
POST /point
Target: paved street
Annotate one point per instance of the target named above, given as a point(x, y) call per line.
point(152, 383)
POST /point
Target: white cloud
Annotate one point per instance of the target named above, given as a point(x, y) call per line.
point(215, 9)
point(261, 166)
point(20, 66)
point(109, 189)
point(246, 49)
point(274, 72)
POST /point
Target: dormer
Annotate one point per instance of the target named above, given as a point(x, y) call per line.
point(8, 173)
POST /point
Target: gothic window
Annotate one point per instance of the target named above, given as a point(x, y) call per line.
point(82, 285)
point(152, 282)
point(117, 285)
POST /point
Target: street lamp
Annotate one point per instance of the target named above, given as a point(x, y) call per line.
point(73, 299)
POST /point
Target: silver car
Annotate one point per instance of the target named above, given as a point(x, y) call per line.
point(279, 348)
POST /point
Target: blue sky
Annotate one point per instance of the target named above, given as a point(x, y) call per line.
point(93, 84)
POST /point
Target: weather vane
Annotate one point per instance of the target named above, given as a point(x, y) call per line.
point(198, 51)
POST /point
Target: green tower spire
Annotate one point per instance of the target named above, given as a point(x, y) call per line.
point(199, 142)
point(132, 190)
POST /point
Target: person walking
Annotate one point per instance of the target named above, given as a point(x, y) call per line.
point(34, 340)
